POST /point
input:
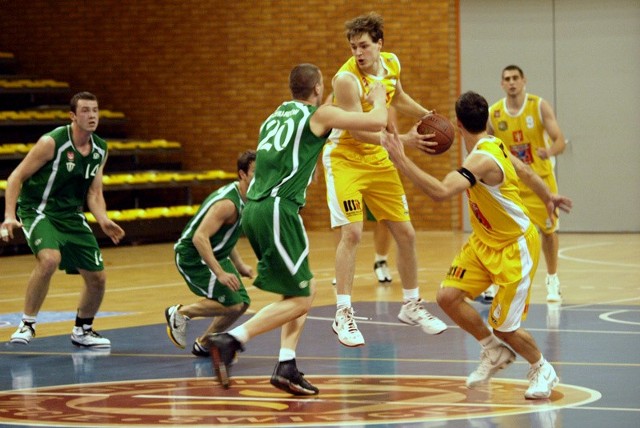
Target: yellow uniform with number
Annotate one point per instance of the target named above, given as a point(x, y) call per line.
point(357, 171)
point(504, 246)
point(524, 133)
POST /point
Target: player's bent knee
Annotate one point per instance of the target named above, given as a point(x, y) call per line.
point(239, 309)
point(448, 297)
point(48, 260)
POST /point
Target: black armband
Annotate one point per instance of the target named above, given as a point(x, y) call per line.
point(468, 175)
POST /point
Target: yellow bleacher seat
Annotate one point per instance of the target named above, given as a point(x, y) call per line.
point(134, 145)
point(117, 178)
point(216, 174)
point(31, 83)
point(142, 177)
point(185, 176)
point(156, 212)
point(182, 210)
point(51, 115)
point(13, 148)
point(112, 214)
point(116, 145)
point(163, 177)
point(131, 214)
point(148, 213)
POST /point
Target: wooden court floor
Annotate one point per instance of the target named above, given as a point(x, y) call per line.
point(400, 378)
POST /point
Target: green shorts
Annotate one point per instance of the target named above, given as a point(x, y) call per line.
point(369, 214)
point(203, 282)
point(276, 233)
point(72, 236)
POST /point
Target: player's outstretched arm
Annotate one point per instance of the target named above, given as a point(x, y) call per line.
point(329, 116)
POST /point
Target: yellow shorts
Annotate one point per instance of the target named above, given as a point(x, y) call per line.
point(511, 268)
point(353, 177)
point(537, 209)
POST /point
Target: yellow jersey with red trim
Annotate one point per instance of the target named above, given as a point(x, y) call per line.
point(523, 132)
point(498, 216)
point(391, 65)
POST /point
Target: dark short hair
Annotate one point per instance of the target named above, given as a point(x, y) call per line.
point(512, 67)
point(73, 105)
point(302, 79)
point(245, 159)
point(472, 111)
point(371, 23)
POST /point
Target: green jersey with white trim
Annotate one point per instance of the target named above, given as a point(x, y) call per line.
point(223, 241)
point(59, 188)
point(287, 154)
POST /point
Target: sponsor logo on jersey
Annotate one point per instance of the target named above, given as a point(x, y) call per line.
point(456, 272)
point(502, 125)
point(351, 207)
point(70, 158)
point(518, 136)
point(522, 152)
point(479, 216)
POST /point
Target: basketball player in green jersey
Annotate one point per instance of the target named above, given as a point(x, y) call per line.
point(503, 248)
point(290, 141)
point(206, 258)
point(50, 187)
point(528, 126)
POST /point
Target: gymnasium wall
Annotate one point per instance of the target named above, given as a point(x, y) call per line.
point(583, 57)
point(206, 73)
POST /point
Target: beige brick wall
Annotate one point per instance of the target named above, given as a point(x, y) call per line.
point(206, 73)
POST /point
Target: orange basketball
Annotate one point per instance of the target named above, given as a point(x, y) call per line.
point(443, 128)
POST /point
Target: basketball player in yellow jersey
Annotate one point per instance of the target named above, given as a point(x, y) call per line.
point(528, 126)
point(358, 170)
point(503, 248)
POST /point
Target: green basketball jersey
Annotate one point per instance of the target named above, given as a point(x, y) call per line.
point(287, 154)
point(226, 237)
point(60, 187)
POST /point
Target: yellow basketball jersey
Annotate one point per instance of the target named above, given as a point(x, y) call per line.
point(498, 216)
point(523, 133)
point(391, 66)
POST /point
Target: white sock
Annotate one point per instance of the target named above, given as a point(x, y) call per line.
point(380, 258)
point(489, 342)
point(31, 319)
point(240, 333)
point(286, 354)
point(552, 276)
point(343, 301)
point(413, 294)
point(539, 364)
